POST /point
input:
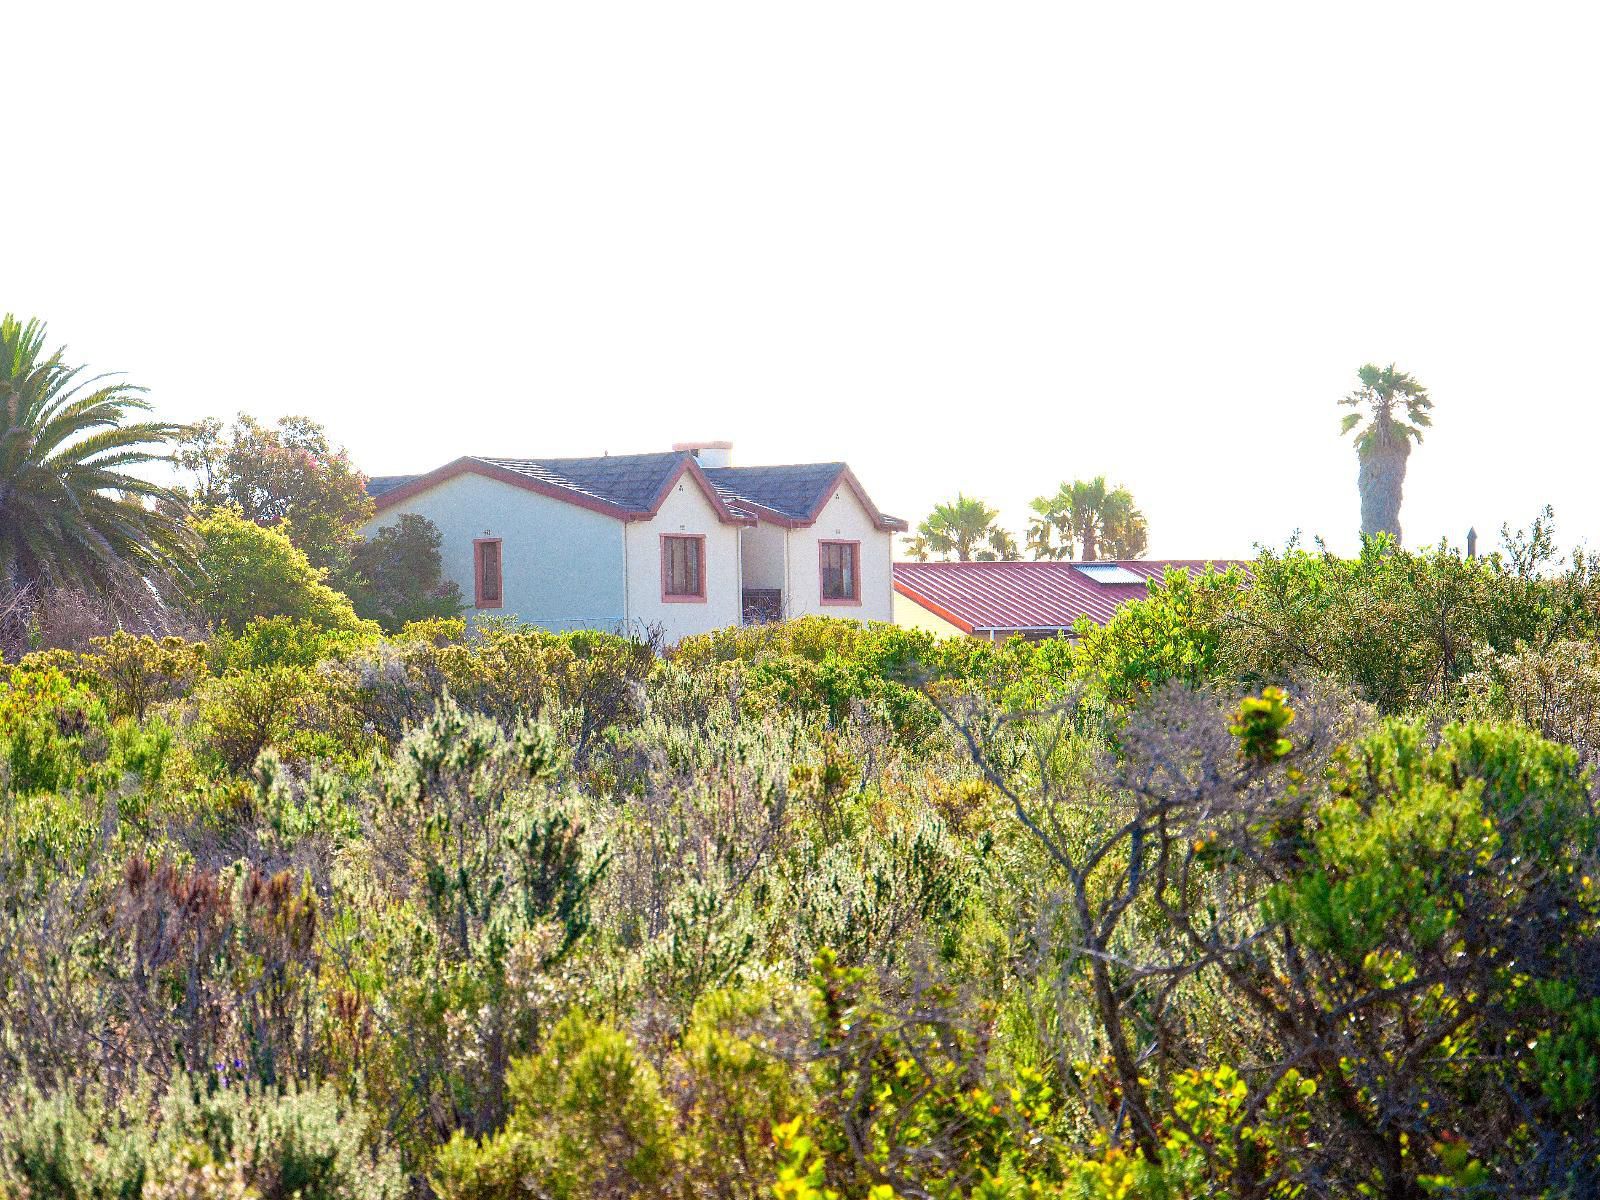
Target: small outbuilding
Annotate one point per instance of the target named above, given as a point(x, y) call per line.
point(997, 600)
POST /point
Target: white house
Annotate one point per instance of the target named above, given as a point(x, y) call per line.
point(682, 540)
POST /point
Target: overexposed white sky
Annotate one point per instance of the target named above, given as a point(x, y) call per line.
point(984, 247)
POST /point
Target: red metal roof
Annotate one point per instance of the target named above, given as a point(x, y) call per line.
point(984, 596)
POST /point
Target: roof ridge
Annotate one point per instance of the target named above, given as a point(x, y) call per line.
point(831, 462)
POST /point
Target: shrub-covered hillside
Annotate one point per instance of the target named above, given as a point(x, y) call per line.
point(1280, 885)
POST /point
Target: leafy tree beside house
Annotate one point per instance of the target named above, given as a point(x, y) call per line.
point(290, 476)
point(399, 575)
point(1394, 407)
point(1087, 519)
point(248, 572)
point(72, 514)
point(965, 529)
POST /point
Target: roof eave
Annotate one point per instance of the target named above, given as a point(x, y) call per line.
point(772, 516)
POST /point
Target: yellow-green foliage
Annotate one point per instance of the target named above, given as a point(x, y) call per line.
point(1175, 634)
point(587, 1118)
point(498, 912)
point(738, 1078)
point(1209, 1146)
point(1414, 828)
point(285, 642)
point(244, 712)
point(133, 673)
point(45, 721)
point(824, 667)
point(248, 571)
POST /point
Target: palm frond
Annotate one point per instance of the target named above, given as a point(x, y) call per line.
point(71, 513)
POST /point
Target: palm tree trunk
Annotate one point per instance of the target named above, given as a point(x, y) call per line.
point(1090, 549)
point(1382, 481)
point(17, 598)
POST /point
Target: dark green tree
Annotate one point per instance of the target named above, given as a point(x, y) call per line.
point(400, 577)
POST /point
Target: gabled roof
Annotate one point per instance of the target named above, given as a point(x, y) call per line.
point(629, 487)
point(794, 494)
point(631, 481)
point(985, 597)
point(633, 486)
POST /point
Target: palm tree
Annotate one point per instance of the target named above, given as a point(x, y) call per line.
point(964, 529)
point(1089, 518)
point(70, 514)
point(1396, 411)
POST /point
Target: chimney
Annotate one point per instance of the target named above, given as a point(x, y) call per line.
point(709, 454)
point(1472, 543)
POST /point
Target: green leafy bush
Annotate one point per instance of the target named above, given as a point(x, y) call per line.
point(587, 1119)
point(249, 571)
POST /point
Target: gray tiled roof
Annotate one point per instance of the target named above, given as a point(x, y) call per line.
point(377, 485)
point(795, 491)
point(633, 482)
point(630, 481)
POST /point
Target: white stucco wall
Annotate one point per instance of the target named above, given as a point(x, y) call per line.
point(685, 511)
point(561, 564)
point(843, 518)
point(912, 615)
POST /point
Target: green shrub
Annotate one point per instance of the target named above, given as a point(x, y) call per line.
point(400, 575)
point(202, 1140)
point(57, 1148)
point(132, 673)
point(1174, 634)
point(248, 571)
point(494, 877)
point(742, 1074)
point(283, 642)
point(51, 729)
point(243, 713)
point(587, 1119)
point(1553, 691)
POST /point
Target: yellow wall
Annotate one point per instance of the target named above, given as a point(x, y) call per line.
point(912, 615)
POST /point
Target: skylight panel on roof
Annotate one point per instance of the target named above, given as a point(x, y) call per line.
point(1108, 573)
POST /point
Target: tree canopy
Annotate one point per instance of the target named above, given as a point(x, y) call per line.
point(398, 575)
point(965, 529)
point(248, 571)
point(1089, 519)
point(290, 476)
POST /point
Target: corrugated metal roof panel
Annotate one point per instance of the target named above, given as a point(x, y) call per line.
point(1032, 595)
